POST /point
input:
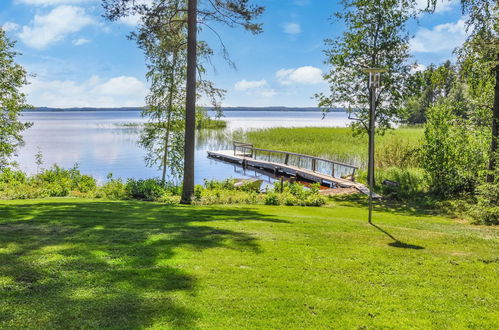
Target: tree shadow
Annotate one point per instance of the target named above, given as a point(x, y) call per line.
point(107, 264)
point(397, 243)
point(418, 208)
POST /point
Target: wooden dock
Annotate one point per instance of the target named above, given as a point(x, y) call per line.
point(245, 156)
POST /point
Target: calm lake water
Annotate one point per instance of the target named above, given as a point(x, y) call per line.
point(99, 145)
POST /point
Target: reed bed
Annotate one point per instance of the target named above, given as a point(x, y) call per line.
point(397, 147)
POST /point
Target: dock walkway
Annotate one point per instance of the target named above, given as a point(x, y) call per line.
point(246, 159)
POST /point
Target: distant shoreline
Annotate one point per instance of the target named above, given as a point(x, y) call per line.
point(277, 109)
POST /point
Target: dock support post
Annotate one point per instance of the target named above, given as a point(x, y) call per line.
point(286, 160)
point(314, 164)
point(332, 172)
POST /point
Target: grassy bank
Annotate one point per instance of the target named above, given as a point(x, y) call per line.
point(76, 263)
point(335, 143)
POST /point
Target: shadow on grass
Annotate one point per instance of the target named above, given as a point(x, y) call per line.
point(418, 208)
point(106, 264)
point(397, 243)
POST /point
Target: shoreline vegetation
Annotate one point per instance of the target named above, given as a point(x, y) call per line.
point(283, 109)
point(206, 123)
point(401, 173)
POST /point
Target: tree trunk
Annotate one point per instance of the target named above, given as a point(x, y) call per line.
point(190, 104)
point(168, 120)
point(495, 130)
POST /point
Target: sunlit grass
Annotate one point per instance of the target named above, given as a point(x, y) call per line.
point(75, 263)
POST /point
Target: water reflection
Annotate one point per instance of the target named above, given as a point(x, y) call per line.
point(100, 144)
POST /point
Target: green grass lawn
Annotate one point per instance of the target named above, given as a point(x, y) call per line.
point(75, 263)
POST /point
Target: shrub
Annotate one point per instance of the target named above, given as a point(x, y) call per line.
point(452, 152)
point(145, 189)
point(272, 198)
point(315, 200)
point(411, 182)
point(486, 210)
point(112, 189)
point(59, 182)
point(227, 184)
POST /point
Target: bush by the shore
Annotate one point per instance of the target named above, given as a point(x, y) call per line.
point(60, 182)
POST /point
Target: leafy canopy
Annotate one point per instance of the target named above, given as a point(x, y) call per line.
point(12, 101)
point(374, 37)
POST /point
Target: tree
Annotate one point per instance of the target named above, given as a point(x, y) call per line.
point(480, 53)
point(12, 101)
point(452, 151)
point(426, 88)
point(230, 12)
point(375, 37)
point(165, 50)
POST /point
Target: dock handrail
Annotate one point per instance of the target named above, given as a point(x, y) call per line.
point(248, 150)
point(242, 145)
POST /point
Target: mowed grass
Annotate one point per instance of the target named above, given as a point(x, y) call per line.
point(75, 263)
point(336, 143)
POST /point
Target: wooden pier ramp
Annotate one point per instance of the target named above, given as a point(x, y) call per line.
point(292, 164)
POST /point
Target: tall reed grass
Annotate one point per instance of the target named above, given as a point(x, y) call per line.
point(395, 148)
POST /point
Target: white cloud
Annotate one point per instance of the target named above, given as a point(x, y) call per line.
point(292, 28)
point(268, 93)
point(80, 41)
point(10, 26)
point(443, 37)
point(258, 88)
point(302, 75)
point(441, 5)
point(48, 29)
point(53, 2)
point(245, 84)
point(95, 92)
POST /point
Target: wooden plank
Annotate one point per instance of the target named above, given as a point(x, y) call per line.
point(228, 155)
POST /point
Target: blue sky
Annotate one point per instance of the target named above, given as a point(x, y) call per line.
point(76, 58)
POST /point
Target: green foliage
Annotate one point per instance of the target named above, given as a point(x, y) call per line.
point(411, 183)
point(112, 189)
point(486, 210)
point(426, 88)
point(397, 147)
point(292, 193)
point(203, 121)
point(272, 198)
point(453, 154)
point(12, 101)
point(53, 182)
point(375, 37)
point(145, 189)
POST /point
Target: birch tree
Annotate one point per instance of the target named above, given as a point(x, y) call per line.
point(12, 101)
point(374, 37)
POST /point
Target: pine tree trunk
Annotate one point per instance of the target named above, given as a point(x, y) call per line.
point(495, 129)
point(190, 104)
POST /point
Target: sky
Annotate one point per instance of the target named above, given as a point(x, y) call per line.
point(75, 58)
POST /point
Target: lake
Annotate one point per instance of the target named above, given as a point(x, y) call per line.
point(97, 142)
